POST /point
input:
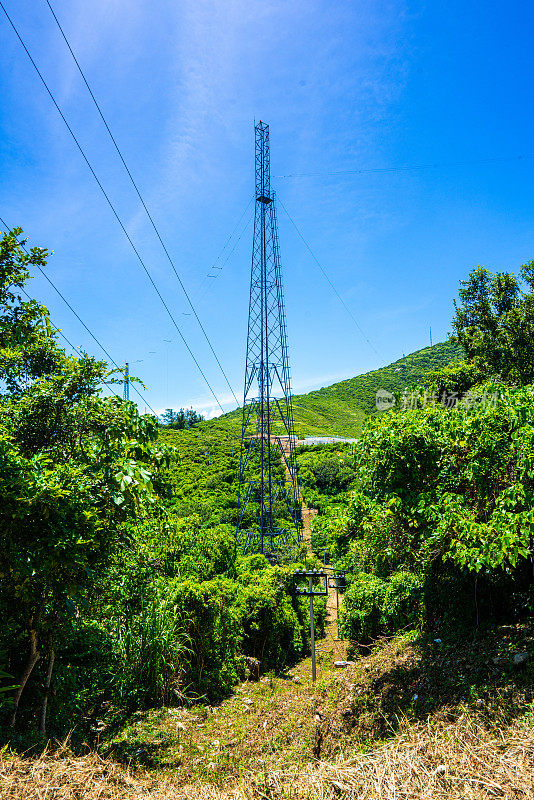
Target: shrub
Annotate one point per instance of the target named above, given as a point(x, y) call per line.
point(152, 648)
point(372, 605)
point(361, 613)
point(271, 629)
point(402, 601)
point(212, 618)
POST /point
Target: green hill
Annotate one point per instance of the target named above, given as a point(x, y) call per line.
point(340, 409)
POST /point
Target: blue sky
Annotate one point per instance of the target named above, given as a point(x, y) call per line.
point(344, 86)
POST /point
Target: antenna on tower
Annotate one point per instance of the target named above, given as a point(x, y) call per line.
point(431, 336)
point(269, 511)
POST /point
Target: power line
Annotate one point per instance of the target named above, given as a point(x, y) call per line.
point(134, 184)
point(203, 289)
point(80, 320)
point(112, 207)
point(234, 231)
point(201, 293)
point(89, 331)
point(31, 299)
point(345, 306)
point(406, 168)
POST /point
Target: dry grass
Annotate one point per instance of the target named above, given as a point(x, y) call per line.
point(460, 760)
point(463, 759)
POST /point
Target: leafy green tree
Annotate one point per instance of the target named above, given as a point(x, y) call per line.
point(74, 467)
point(494, 323)
point(180, 420)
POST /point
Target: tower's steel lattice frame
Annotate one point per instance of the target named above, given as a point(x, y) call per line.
point(267, 423)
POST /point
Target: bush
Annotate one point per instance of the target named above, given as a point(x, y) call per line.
point(152, 648)
point(271, 629)
point(361, 612)
point(402, 601)
point(212, 618)
point(372, 606)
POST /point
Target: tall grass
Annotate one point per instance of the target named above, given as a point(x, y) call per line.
point(153, 647)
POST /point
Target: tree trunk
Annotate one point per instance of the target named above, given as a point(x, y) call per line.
point(48, 681)
point(33, 658)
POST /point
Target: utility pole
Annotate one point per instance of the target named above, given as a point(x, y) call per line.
point(267, 404)
point(310, 592)
point(337, 582)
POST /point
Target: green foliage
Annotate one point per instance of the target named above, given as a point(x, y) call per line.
point(179, 420)
point(212, 616)
point(453, 379)
point(401, 606)
point(273, 622)
point(494, 323)
point(74, 467)
point(361, 614)
point(372, 605)
point(203, 474)
point(343, 407)
point(6, 684)
point(326, 473)
point(152, 647)
point(27, 346)
point(445, 496)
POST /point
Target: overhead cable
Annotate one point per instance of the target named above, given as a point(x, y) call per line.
point(203, 289)
point(89, 331)
point(339, 297)
point(405, 168)
point(113, 209)
point(32, 299)
point(134, 184)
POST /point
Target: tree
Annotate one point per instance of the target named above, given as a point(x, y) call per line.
point(179, 420)
point(27, 347)
point(494, 323)
point(74, 467)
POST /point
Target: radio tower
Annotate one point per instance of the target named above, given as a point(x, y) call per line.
point(269, 511)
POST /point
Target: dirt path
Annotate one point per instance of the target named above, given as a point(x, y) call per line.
point(308, 515)
point(332, 634)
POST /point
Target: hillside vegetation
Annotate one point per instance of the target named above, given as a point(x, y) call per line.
point(133, 623)
point(120, 584)
point(341, 409)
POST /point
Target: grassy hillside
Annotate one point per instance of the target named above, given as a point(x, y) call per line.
point(341, 408)
point(204, 476)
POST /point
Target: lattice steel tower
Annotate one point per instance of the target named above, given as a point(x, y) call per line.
point(269, 511)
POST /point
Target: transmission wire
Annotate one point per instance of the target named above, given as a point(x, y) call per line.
point(204, 289)
point(134, 184)
point(405, 168)
point(80, 148)
point(89, 331)
point(345, 306)
point(79, 352)
point(32, 299)
point(201, 293)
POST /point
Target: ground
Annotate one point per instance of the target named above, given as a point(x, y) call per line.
point(409, 717)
